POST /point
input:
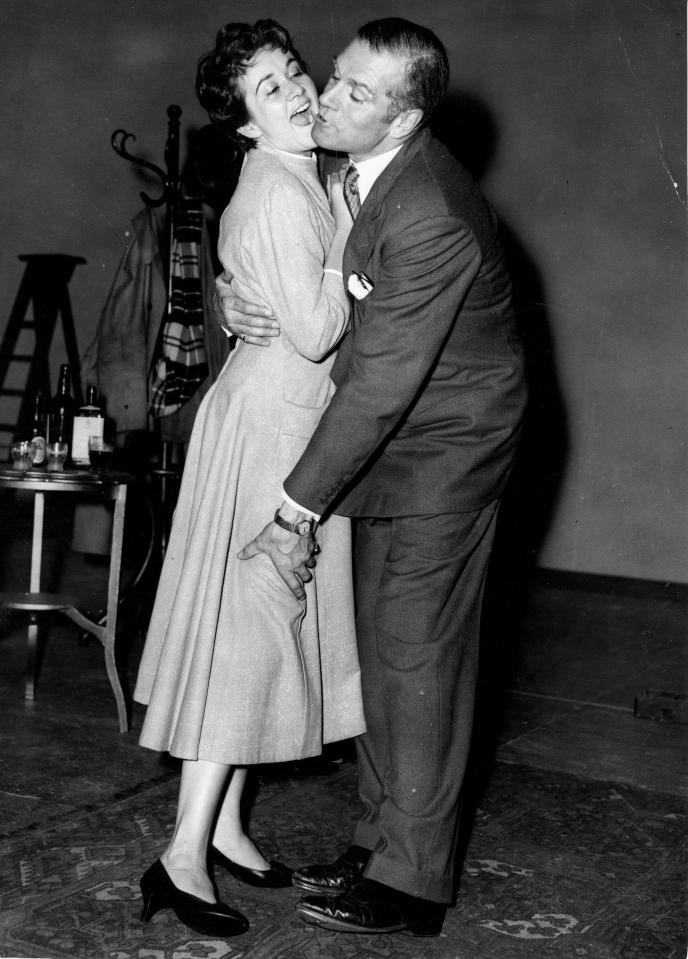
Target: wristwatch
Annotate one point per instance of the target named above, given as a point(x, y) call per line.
point(303, 527)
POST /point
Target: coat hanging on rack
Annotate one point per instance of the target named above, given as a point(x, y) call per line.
point(158, 345)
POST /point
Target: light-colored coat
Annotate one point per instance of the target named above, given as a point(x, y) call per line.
point(235, 669)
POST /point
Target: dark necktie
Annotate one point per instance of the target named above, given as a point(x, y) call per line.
point(353, 200)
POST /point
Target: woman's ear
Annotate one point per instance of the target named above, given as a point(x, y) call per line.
point(250, 130)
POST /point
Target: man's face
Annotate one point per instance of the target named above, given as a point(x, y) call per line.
point(354, 103)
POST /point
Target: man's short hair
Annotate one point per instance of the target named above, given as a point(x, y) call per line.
point(426, 76)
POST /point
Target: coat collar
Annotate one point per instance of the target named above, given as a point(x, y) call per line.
point(372, 206)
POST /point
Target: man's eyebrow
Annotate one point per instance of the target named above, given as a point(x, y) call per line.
point(356, 83)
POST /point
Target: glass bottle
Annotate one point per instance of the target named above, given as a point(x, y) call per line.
point(61, 412)
point(38, 430)
point(89, 420)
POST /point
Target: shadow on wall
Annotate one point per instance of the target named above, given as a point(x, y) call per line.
point(467, 128)
point(465, 125)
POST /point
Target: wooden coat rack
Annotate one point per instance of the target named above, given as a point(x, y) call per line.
point(169, 179)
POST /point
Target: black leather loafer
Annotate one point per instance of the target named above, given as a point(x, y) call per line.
point(371, 907)
point(335, 877)
point(278, 876)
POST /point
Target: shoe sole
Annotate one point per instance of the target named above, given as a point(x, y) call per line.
point(317, 919)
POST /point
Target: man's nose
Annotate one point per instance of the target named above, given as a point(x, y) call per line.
point(329, 95)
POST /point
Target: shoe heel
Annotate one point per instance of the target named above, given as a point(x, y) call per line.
point(153, 902)
point(154, 887)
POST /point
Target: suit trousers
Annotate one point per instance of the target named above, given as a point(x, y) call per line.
point(419, 590)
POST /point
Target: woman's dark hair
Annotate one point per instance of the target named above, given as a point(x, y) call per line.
point(426, 76)
point(218, 85)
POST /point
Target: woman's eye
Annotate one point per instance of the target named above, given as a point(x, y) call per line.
point(272, 90)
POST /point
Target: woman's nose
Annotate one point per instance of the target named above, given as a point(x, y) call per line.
point(296, 87)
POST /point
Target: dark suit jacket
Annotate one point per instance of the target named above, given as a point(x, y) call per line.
point(430, 382)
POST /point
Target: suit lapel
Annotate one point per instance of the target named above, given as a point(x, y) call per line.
point(361, 240)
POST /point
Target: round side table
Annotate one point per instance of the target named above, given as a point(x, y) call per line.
point(109, 486)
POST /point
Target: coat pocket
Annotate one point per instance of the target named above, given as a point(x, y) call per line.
point(297, 425)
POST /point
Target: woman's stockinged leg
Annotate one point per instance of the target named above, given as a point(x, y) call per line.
point(229, 836)
point(185, 858)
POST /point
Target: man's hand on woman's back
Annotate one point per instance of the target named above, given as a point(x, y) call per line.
point(250, 322)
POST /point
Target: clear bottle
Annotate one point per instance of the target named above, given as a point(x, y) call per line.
point(38, 430)
point(89, 420)
point(61, 411)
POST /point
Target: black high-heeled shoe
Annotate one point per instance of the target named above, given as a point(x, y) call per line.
point(278, 876)
point(207, 918)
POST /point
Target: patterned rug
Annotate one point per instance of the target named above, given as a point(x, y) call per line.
point(555, 867)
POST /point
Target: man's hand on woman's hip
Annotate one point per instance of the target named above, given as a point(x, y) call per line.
point(293, 555)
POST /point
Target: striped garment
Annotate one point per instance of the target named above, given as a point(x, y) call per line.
point(182, 366)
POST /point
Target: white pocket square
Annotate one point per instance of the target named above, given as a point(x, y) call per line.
point(360, 285)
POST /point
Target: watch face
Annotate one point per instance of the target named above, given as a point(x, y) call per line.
point(304, 527)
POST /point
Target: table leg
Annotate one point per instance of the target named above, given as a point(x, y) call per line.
point(31, 658)
point(35, 587)
point(113, 600)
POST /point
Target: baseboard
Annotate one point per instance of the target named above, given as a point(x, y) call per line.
point(612, 585)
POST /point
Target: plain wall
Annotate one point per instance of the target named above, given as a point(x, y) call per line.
point(572, 117)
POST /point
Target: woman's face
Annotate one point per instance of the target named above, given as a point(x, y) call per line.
point(281, 100)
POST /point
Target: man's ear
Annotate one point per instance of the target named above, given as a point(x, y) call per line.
point(405, 123)
point(250, 130)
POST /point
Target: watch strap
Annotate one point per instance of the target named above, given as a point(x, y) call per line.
point(303, 527)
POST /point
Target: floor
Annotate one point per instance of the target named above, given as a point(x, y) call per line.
point(560, 678)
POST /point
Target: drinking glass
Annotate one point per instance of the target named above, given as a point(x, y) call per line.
point(22, 455)
point(100, 452)
point(55, 455)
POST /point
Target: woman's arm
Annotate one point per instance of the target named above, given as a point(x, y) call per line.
point(282, 251)
point(342, 220)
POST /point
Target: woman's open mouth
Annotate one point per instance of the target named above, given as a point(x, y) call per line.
point(304, 116)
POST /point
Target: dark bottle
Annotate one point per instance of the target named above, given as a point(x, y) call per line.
point(61, 412)
point(38, 430)
point(89, 420)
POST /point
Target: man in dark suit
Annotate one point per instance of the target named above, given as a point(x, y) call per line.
point(416, 444)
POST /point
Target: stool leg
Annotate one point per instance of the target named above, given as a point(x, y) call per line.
point(31, 658)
